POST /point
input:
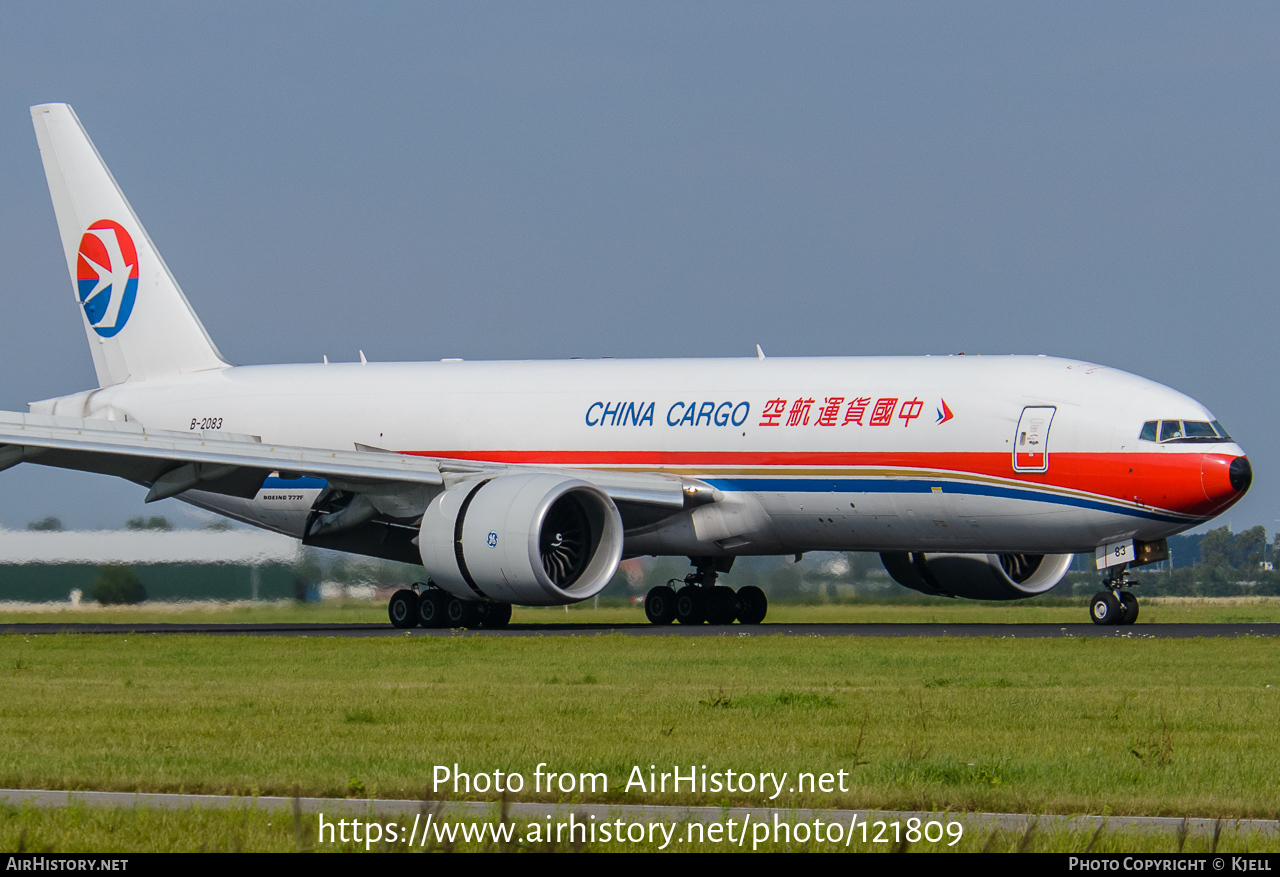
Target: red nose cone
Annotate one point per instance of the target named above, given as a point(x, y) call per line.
point(1225, 477)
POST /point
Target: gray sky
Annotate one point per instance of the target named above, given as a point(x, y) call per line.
point(549, 180)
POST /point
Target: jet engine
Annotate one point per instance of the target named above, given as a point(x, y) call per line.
point(977, 576)
point(534, 539)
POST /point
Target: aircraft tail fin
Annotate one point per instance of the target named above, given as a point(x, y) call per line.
point(140, 325)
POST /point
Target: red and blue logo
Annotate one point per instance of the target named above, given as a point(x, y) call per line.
point(944, 413)
point(107, 276)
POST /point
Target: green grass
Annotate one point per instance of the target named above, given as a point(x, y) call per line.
point(81, 829)
point(1155, 726)
point(278, 612)
point(1051, 610)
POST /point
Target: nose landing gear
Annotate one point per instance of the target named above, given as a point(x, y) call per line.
point(699, 599)
point(1115, 604)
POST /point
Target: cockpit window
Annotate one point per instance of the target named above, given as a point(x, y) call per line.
point(1183, 431)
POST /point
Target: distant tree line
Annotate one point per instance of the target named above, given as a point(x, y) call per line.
point(116, 584)
point(154, 522)
point(1216, 563)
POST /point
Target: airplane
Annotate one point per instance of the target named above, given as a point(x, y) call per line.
point(527, 483)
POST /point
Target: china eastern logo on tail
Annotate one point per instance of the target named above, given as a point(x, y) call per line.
point(107, 276)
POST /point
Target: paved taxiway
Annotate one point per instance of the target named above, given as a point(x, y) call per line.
point(1025, 631)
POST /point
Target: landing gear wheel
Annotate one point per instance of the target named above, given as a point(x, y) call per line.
point(691, 605)
point(495, 615)
point(1104, 608)
point(462, 613)
point(660, 605)
point(752, 605)
point(432, 608)
point(403, 609)
point(1129, 607)
point(721, 605)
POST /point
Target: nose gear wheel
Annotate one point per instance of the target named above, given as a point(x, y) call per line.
point(1115, 604)
point(1104, 608)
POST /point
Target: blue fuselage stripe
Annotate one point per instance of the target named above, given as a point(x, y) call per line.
point(304, 483)
point(886, 485)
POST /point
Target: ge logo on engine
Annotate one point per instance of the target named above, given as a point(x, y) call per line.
point(492, 539)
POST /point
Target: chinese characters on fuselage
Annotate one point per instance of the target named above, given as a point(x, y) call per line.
point(806, 411)
point(802, 411)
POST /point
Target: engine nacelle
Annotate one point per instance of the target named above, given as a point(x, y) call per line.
point(534, 539)
point(977, 576)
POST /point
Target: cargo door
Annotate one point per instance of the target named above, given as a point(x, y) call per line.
point(1031, 442)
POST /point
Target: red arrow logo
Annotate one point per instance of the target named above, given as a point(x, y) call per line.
point(944, 413)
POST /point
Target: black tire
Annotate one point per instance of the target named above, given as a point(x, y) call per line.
point(462, 613)
point(432, 606)
point(753, 605)
point(495, 616)
point(722, 605)
point(1128, 607)
point(403, 609)
point(691, 605)
point(660, 605)
point(1104, 608)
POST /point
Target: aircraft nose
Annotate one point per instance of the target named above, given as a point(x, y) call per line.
point(1226, 477)
point(1240, 474)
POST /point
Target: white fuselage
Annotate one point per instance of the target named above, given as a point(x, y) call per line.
point(840, 453)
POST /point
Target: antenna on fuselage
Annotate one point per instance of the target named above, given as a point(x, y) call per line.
point(759, 352)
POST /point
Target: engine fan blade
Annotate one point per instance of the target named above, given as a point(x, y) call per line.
point(565, 537)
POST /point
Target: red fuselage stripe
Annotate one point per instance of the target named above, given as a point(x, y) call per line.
point(1188, 483)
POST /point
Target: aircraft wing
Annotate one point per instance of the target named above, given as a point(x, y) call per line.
point(171, 462)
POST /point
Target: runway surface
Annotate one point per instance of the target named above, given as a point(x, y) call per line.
point(1016, 822)
point(998, 631)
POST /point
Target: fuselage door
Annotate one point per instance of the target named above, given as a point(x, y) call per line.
point(1031, 443)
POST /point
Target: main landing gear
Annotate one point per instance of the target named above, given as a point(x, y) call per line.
point(1115, 604)
point(425, 605)
point(698, 599)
